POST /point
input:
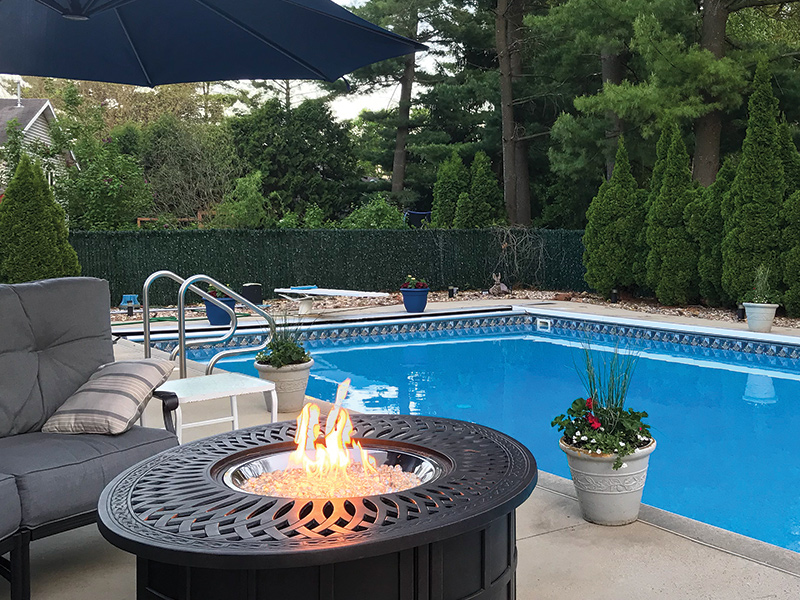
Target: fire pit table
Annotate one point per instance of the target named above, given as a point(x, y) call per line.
point(198, 536)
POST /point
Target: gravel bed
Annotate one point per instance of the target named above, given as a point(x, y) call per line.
point(649, 306)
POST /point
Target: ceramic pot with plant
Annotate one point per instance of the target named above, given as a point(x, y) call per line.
point(608, 447)
point(286, 363)
point(761, 302)
point(415, 294)
point(215, 314)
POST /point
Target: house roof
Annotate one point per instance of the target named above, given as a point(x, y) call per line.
point(26, 114)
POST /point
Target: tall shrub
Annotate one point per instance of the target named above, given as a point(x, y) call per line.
point(483, 187)
point(654, 188)
point(791, 256)
point(672, 259)
point(752, 227)
point(703, 218)
point(612, 232)
point(244, 207)
point(452, 179)
point(790, 158)
point(34, 240)
point(377, 213)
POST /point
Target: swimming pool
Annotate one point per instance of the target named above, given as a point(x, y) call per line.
point(725, 419)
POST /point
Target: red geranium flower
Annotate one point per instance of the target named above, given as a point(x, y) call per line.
point(589, 403)
point(593, 422)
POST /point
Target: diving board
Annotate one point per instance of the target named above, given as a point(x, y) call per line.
point(304, 294)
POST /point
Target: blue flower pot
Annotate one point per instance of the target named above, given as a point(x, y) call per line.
point(216, 315)
point(415, 299)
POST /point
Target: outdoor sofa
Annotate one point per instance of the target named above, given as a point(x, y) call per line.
point(54, 336)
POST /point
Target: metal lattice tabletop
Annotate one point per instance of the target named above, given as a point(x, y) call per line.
point(176, 508)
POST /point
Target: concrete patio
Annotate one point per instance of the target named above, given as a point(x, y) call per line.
point(560, 556)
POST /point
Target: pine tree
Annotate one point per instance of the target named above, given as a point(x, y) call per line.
point(614, 220)
point(452, 179)
point(34, 240)
point(483, 187)
point(703, 218)
point(791, 257)
point(672, 256)
point(752, 215)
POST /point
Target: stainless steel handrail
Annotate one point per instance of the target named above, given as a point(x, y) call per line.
point(182, 343)
point(146, 303)
point(187, 284)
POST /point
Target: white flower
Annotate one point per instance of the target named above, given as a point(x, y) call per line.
point(594, 441)
point(577, 433)
point(598, 450)
point(584, 438)
point(622, 444)
point(602, 429)
point(624, 465)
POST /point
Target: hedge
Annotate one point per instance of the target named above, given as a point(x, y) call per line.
point(343, 259)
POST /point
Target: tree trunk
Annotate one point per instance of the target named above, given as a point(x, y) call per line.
point(708, 128)
point(516, 13)
point(403, 120)
point(612, 69)
point(507, 110)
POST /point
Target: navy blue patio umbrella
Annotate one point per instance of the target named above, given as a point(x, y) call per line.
point(154, 42)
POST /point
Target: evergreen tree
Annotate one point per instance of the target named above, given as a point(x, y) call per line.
point(704, 221)
point(790, 158)
point(377, 213)
point(672, 259)
point(752, 225)
point(483, 187)
point(451, 180)
point(615, 217)
point(656, 178)
point(472, 213)
point(34, 240)
point(791, 257)
point(244, 207)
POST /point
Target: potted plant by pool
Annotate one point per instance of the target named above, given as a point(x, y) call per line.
point(415, 294)
point(760, 303)
point(608, 447)
point(287, 364)
point(215, 314)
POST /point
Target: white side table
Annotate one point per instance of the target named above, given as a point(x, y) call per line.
point(197, 389)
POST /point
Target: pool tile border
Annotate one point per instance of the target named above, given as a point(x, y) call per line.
point(662, 337)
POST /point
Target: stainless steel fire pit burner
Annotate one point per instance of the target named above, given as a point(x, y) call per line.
point(198, 537)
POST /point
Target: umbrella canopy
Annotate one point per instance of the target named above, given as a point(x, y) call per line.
point(154, 42)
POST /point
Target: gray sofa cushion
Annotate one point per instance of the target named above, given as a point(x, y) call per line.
point(10, 513)
point(62, 475)
point(53, 335)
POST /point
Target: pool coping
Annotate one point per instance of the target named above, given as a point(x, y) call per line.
point(763, 553)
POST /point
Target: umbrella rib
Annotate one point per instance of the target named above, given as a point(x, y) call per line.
point(263, 39)
point(133, 47)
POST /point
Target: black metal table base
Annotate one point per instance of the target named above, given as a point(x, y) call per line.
point(479, 565)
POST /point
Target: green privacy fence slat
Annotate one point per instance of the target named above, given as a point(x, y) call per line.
point(346, 259)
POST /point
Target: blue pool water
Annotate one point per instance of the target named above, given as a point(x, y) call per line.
point(725, 433)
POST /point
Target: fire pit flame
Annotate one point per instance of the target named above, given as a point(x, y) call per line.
point(331, 455)
point(332, 464)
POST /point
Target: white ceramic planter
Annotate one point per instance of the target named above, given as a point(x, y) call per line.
point(606, 496)
point(759, 316)
point(290, 383)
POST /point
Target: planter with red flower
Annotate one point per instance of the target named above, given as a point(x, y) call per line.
point(608, 447)
point(215, 314)
point(415, 294)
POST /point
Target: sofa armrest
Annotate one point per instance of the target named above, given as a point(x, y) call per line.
point(169, 404)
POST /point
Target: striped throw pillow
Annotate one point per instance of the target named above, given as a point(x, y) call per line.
point(113, 398)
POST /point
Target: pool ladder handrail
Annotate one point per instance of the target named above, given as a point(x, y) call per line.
point(180, 349)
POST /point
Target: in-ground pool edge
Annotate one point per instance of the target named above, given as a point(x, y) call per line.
point(764, 553)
